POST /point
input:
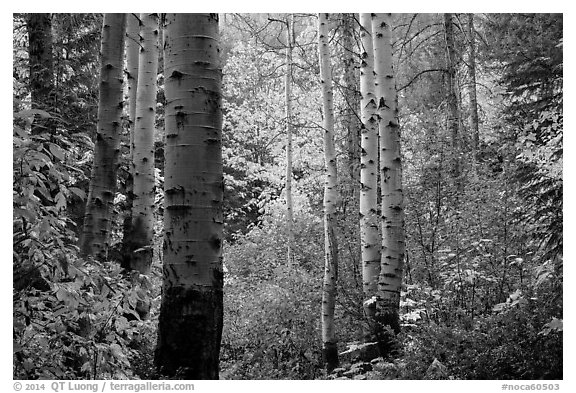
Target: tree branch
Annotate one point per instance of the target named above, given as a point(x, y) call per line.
point(420, 74)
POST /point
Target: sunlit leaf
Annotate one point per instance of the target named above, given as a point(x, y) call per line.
point(56, 151)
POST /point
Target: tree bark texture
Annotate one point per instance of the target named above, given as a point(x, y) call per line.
point(97, 219)
point(39, 27)
point(132, 54)
point(350, 119)
point(190, 322)
point(452, 96)
point(393, 238)
point(133, 41)
point(289, 131)
point(143, 153)
point(474, 126)
point(369, 234)
point(329, 341)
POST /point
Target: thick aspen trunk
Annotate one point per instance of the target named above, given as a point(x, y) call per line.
point(98, 216)
point(393, 238)
point(132, 49)
point(369, 235)
point(39, 27)
point(191, 315)
point(474, 127)
point(329, 341)
point(452, 97)
point(288, 98)
point(143, 152)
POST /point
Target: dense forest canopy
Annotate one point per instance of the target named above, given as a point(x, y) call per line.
point(288, 196)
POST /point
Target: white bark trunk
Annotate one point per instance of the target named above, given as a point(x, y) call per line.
point(191, 313)
point(393, 239)
point(143, 153)
point(132, 49)
point(369, 220)
point(98, 216)
point(329, 341)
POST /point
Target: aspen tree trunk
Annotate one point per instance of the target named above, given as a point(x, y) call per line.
point(393, 238)
point(190, 322)
point(143, 152)
point(39, 27)
point(132, 50)
point(453, 113)
point(133, 41)
point(288, 97)
point(329, 341)
point(369, 236)
point(352, 103)
point(161, 44)
point(474, 127)
point(98, 216)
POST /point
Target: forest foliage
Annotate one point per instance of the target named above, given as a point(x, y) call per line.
point(483, 279)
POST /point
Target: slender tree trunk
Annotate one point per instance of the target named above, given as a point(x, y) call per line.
point(453, 112)
point(393, 238)
point(132, 50)
point(369, 220)
point(288, 97)
point(350, 179)
point(143, 153)
point(39, 27)
point(474, 127)
point(329, 341)
point(133, 41)
point(191, 315)
point(350, 119)
point(98, 217)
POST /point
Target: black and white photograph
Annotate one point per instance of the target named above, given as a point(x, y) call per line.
point(287, 196)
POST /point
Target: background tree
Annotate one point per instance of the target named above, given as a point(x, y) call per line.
point(190, 321)
point(471, 64)
point(39, 27)
point(98, 218)
point(143, 148)
point(346, 76)
point(132, 56)
point(453, 113)
point(133, 42)
point(351, 95)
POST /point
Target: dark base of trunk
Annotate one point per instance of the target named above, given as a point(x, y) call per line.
point(189, 333)
point(330, 356)
point(370, 334)
point(388, 328)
